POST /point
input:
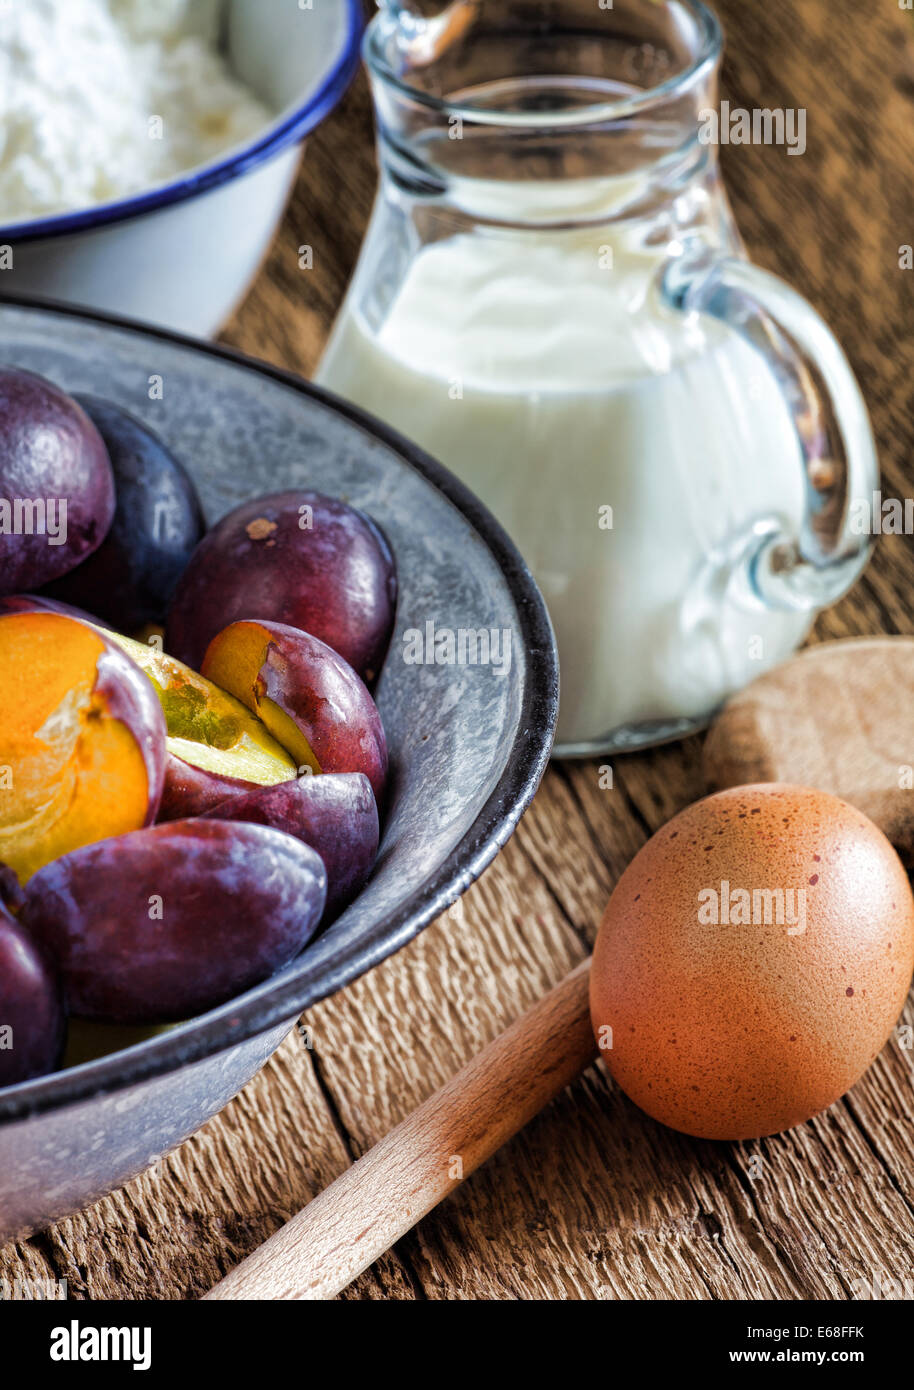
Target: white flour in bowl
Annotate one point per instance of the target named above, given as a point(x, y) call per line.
point(103, 98)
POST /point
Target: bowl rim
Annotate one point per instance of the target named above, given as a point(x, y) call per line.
point(287, 129)
point(280, 1001)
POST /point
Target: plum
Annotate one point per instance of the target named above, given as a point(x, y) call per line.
point(163, 923)
point(335, 814)
point(82, 739)
point(40, 603)
point(158, 521)
point(215, 746)
point(193, 791)
point(56, 483)
point(311, 701)
point(32, 1021)
point(298, 558)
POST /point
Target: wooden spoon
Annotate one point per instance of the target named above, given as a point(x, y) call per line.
point(382, 1196)
point(837, 717)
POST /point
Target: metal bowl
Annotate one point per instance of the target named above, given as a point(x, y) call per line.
point(468, 743)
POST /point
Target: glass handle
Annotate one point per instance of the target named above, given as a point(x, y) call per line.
point(810, 570)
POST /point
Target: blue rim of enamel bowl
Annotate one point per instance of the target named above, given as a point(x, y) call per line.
point(286, 130)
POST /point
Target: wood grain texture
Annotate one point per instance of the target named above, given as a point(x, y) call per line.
point(423, 1159)
point(592, 1200)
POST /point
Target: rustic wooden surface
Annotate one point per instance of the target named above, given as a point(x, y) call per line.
point(593, 1200)
point(423, 1159)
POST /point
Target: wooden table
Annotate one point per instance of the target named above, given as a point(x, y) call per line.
point(593, 1200)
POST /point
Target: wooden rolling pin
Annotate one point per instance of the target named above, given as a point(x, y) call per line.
point(836, 717)
point(382, 1196)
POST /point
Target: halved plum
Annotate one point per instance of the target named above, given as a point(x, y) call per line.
point(336, 814)
point(82, 739)
point(32, 1021)
point(297, 558)
point(194, 791)
point(164, 923)
point(311, 701)
point(216, 747)
point(56, 482)
point(40, 603)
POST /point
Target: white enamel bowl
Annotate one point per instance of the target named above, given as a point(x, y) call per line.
point(181, 255)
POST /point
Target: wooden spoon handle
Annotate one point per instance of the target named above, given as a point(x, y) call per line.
point(376, 1201)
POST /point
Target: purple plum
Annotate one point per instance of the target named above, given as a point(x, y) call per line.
point(167, 922)
point(56, 483)
point(336, 814)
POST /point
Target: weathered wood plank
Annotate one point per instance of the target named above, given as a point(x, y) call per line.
point(593, 1200)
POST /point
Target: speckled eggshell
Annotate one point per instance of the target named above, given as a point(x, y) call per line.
point(733, 1031)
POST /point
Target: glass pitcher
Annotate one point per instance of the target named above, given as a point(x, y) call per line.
point(553, 299)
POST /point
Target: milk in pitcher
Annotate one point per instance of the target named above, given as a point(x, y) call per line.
point(619, 444)
point(554, 301)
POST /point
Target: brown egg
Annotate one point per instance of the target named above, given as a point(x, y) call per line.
point(752, 961)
